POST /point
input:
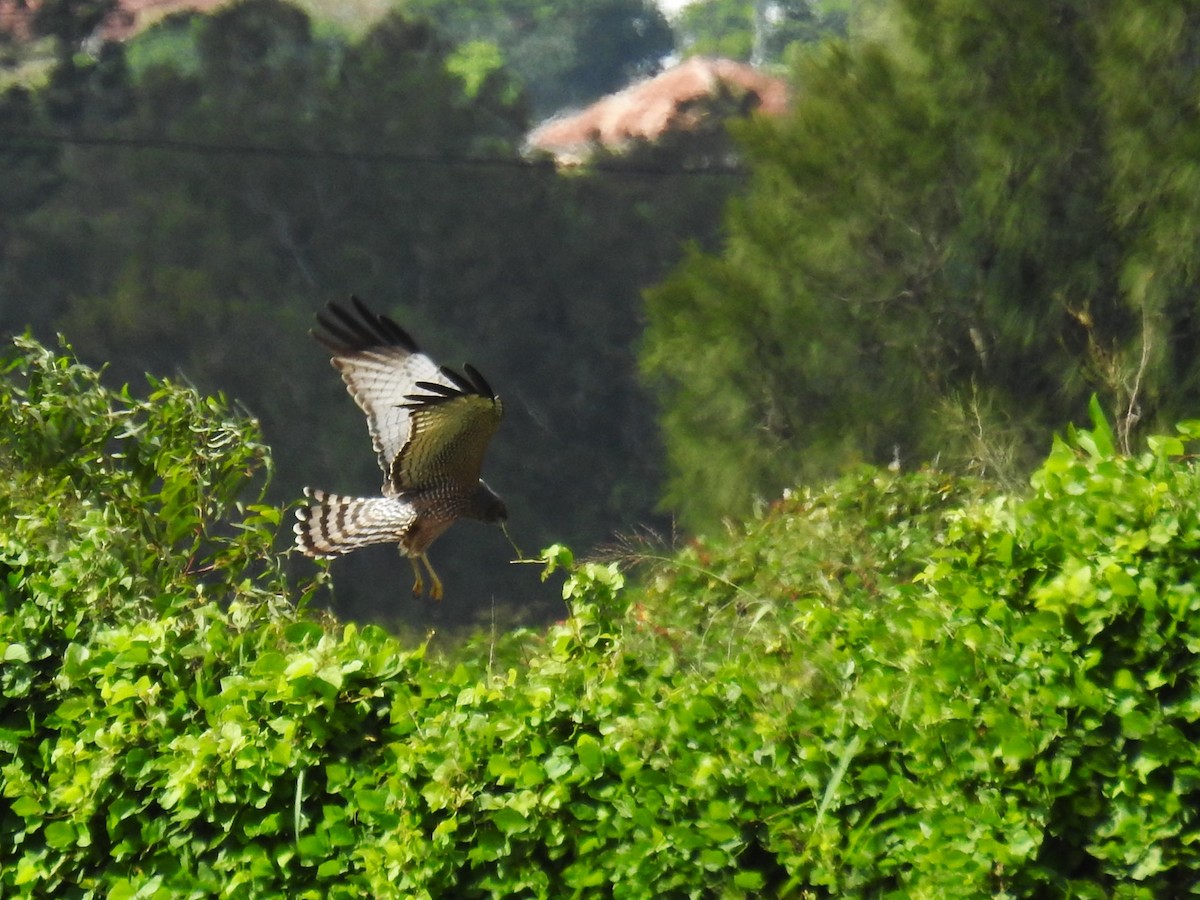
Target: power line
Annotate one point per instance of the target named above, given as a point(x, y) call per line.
point(20, 140)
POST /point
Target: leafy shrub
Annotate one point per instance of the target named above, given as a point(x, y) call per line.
point(898, 684)
point(979, 694)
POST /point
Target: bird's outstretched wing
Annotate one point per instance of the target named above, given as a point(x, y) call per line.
point(380, 364)
point(427, 423)
point(450, 426)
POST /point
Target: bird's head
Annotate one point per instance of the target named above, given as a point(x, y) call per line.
point(486, 506)
point(496, 512)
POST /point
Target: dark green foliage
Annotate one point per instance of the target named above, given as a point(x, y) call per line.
point(758, 30)
point(900, 684)
point(563, 54)
point(70, 22)
point(32, 169)
point(80, 89)
point(960, 235)
point(617, 41)
point(267, 166)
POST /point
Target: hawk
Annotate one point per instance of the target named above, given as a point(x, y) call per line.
point(430, 427)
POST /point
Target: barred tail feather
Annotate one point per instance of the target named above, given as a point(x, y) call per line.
point(333, 525)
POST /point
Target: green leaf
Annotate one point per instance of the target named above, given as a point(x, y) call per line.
point(16, 653)
point(27, 807)
point(509, 821)
point(60, 835)
point(1102, 444)
point(749, 880)
point(589, 753)
point(371, 800)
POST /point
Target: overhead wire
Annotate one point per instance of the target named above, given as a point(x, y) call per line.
point(20, 140)
point(546, 164)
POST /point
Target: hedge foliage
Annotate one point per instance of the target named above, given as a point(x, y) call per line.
point(905, 685)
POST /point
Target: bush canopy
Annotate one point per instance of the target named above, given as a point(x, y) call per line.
point(899, 684)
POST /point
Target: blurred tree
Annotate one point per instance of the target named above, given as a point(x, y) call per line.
point(563, 54)
point(71, 23)
point(1147, 69)
point(969, 224)
point(266, 167)
point(615, 42)
point(30, 166)
point(758, 31)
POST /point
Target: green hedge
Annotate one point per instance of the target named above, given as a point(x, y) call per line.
point(903, 685)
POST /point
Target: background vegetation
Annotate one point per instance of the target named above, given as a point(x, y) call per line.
point(974, 220)
point(969, 672)
point(976, 217)
point(187, 201)
point(897, 684)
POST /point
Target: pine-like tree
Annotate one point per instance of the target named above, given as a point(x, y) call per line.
point(978, 215)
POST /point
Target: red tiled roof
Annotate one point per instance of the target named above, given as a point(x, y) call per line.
point(649, 108)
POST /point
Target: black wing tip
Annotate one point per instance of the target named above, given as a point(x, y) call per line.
point(463, 384)
point(472, 384)
point(469, 381)
point(481, 384)
point(350, 333)
point(444, 389)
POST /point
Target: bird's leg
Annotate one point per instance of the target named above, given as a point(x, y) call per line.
point(418, 581)
point(435, 587)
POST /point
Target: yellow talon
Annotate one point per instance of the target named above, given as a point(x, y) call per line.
point(435, 587)
point(418, 581)
point(435, 584)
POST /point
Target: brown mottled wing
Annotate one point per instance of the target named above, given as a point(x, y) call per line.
point(381, 365)
point(450, 428)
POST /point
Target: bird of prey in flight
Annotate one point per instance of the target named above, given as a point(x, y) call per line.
point(430, 426)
